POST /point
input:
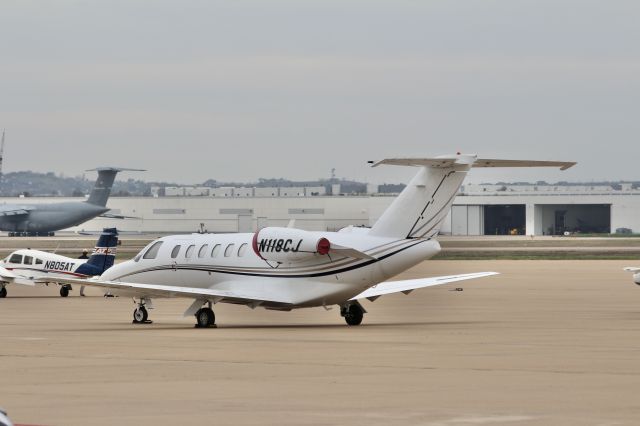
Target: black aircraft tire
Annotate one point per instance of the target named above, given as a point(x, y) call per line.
point(140, 315)
point(64, 291)
point(354, 315)
point(3, 292)
point(205, 317)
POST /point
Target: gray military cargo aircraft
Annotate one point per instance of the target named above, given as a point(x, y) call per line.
point(44, 219)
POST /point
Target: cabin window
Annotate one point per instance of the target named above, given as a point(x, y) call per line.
point(175, 251)
point(189, 251)
point(229, 250)
point(28, 260)
point(15, 258)
point(216, 251)
point(152, 253)
point(203, 250)
point(242, 250)
point(38, 261)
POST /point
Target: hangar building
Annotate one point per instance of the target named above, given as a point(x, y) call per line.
point(477, 210)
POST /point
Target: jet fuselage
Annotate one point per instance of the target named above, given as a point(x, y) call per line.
point(51, 217)
point(228, 262)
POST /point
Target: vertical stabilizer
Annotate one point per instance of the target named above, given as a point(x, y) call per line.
point(422, 206)
point(102, 188)
point(104, 254)
point(419, 210)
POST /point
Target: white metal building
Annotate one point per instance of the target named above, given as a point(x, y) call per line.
point(473, 213)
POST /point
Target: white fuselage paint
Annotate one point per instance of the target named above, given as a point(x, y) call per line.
point(320, 280)
point(41, 265)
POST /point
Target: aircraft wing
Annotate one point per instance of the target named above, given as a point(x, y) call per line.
point(631, 269)
point(118, 216)
point(7, 276)
point(407, 286)
point(157, 290)
point(14, 210)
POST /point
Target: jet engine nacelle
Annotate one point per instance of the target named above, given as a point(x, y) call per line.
point(289, 245)
point(636, 278)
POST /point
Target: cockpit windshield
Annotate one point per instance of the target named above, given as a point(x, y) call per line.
point(153, 251)
point(149, 252)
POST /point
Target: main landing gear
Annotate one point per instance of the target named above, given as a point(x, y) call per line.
point(32, 234)
point(352, 313)
point(64, 290)
point(140, 314)
point(3, 292)
point(205, 317)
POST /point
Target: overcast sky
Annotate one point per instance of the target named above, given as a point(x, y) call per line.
point(237, 90)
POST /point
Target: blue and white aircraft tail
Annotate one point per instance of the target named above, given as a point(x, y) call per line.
point(27, 266)
point(103, 256)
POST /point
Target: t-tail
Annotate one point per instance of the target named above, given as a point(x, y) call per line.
point(422, 206)
point(102, 188)
point(104, 254)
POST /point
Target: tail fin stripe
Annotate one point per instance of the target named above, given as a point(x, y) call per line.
point(435, 216)
point(435, 192)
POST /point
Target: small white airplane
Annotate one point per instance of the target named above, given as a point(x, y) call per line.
point(636, 274)
point(4, 418)
point(284, 268)
point(28, 266)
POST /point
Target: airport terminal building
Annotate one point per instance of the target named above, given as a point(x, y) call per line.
point(477, 210)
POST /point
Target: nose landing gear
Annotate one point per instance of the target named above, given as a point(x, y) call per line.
point(140, 314)
point(3, 292)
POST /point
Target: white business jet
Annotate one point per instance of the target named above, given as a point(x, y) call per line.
point(284, 268)
point(636, 274)
point(26, 266)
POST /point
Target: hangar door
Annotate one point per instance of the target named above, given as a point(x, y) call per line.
point(508, 219)
point(245, 223)
point(575, 218)
point(467, 220)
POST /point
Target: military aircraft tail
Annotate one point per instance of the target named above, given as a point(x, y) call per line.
point(102, 188)
point(104, 254)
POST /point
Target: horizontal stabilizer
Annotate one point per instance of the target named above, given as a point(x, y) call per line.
point(114, 169)
point(407, 286)
point(484, 162)
point(446, 162)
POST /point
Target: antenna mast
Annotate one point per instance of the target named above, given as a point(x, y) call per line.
point(1, 154)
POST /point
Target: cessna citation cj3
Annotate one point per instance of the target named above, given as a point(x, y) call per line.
point(636, 274)
point(28, 266)
point(285, 268)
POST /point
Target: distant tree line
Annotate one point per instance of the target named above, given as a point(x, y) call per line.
point(32, 184)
